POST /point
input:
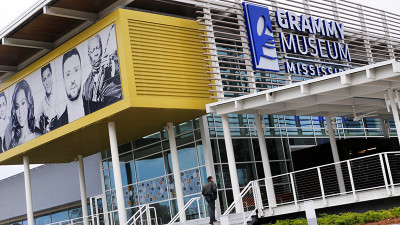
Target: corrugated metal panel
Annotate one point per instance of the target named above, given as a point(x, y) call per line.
point(168, 60)
point(371, 34)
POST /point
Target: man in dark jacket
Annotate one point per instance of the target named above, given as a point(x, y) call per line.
point(210, 193)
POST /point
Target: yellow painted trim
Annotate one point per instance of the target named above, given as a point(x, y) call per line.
point(167, 95)
point(125, 60)
point(84, 121)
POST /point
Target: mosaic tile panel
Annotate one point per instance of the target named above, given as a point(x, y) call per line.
point(153, 190)
point(191, 181)
point(130, 196)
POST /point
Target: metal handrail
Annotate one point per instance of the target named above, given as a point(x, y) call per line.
point(184, 209)
point(139, 215)
point(239, 198)
point(80, 220)
point(383, 168)
point(248, 218)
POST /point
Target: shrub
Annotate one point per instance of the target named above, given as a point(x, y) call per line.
point(298, 221)
point(395, 212)
point(349, 218)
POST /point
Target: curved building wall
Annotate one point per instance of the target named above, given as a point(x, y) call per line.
point(53, 185)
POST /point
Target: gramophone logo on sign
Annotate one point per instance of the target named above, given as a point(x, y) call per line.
point(321, 40)
point(261, 37)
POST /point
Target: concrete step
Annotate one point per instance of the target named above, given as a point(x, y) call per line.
point(202, 221)
point(234, 219)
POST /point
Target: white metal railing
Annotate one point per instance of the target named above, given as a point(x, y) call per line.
point(144, 209)
point(105, 218)
point(347, 177)
point(142, 217)
point(249, 201)
point(183, 210)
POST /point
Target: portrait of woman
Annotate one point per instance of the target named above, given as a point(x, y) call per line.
point(22, 115)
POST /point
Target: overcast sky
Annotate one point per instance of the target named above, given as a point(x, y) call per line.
point(10, 10)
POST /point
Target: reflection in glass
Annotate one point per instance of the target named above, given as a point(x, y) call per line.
point(128, 173)
point(43, 220)
point(150, 167)
point(163, 212)
point(59, 216)
point(192, 212)
point(187, 157)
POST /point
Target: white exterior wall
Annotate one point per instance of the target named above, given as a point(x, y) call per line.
point(52, 185)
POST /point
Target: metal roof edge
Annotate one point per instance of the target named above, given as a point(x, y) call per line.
point(36, 7)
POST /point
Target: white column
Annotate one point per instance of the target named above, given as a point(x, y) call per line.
point(117, 173)
point(208, 157)
point(82, 185)
point(176, 169)
point(265, 161)
point(231, 162)
point(395, 113)
point(28, 191)
point(335, 154)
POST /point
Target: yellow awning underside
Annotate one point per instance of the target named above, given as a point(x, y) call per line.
point(163, 76)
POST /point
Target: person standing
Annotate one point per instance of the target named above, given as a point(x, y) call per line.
point(210, 193)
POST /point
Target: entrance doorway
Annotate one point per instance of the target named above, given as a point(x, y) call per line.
point(98, 217)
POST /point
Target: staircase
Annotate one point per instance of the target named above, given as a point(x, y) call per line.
point(357, 180)
point(233, 219)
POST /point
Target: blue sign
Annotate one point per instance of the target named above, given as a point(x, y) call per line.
point(261, 37)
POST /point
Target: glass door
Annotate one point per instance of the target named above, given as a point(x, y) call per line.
point(97, 210)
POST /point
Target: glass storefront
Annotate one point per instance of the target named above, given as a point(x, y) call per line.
point(147, 172)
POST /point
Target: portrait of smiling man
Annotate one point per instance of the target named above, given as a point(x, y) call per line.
point(48, 116)
point(72, 76)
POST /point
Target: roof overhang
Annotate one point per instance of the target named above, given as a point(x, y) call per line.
point(336, 95)
point(47, 24)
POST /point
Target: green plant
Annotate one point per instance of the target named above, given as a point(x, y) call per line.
point(349, 218)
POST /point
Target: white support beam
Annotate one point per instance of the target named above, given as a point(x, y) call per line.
point(231, 163)
point(345, 79)
point(259, 121)
point(69, 13)
point(239, 104)
point(335, 154)
point(4, 68)
point(82, 187)
point(117, 173)
point(176, 170)
point(116, 5)
point(28, 191)
point(371, 74)
point(395, 112)
point(305, 89)
point(27, 43)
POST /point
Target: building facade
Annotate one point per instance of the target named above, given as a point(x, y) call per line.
point(153, 141)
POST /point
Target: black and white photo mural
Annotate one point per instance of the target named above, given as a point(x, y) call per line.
point(82, 81)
